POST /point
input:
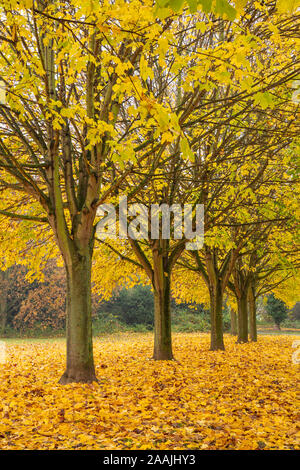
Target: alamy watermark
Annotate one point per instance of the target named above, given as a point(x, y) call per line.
point(138, 221)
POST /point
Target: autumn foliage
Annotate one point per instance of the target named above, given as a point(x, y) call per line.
point(45, 304)
point(241, 398)
point(183, 102)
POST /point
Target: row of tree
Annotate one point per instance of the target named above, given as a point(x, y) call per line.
point(40, 306)
point(104, 100)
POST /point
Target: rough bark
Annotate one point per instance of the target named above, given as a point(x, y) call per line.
point(80, 363)
point(216, 317)
point(215, 283)
point(159, 273)
point(233, 322)
point(252, 315)
point(162, 311)
point(3, 301)
point(242, 318)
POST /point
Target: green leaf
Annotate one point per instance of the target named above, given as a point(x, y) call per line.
point(224, 8)
point(162, 13)
point(176, 4)
point(265, 100)
point(162, 3)
point(186, 149)
point(193, 4)
point(206, 5)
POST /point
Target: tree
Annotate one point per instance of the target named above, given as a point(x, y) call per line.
point(44, 302)
point(67, 137)
point(277, 310)
point(3, 300)
point(226, 148)
point(233, 322)
point(295, 313)
point(223, 7)
point(252, 309)
point(159, 110)
point(134, 306)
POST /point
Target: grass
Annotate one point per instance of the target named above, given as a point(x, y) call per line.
point(32, 340)
point(277, 332)
point(131, 334)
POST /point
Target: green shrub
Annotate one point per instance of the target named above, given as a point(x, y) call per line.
point(132, 306)
point(186, 320)
point(276, 309)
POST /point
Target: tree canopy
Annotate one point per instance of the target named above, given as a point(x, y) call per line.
point(170, 106)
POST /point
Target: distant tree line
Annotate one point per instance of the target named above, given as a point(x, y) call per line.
point(41, 305)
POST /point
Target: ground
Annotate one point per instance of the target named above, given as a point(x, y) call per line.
point(243, 398)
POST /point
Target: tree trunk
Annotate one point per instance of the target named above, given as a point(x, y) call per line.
point(3, 301)
point(80, 362)
point(162, 326)
point(162, 311)
point(242, 318)
point(252, 315)
point(233, 322)
point(3, 315)
point(216, 317)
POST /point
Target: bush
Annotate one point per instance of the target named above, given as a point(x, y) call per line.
point(134, 310)
point(277, 310)
point(186, 320)
point(132, 306)
point(107, 323)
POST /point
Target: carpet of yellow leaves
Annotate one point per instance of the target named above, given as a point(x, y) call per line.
point(243, 398)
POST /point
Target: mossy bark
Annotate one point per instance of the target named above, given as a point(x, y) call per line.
point(162, 325)
point(233, 322)
point(242, 318)
point(252, 315)
point(3, 301)
point(162, 311)
point(216, 317)
point(80, 362)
